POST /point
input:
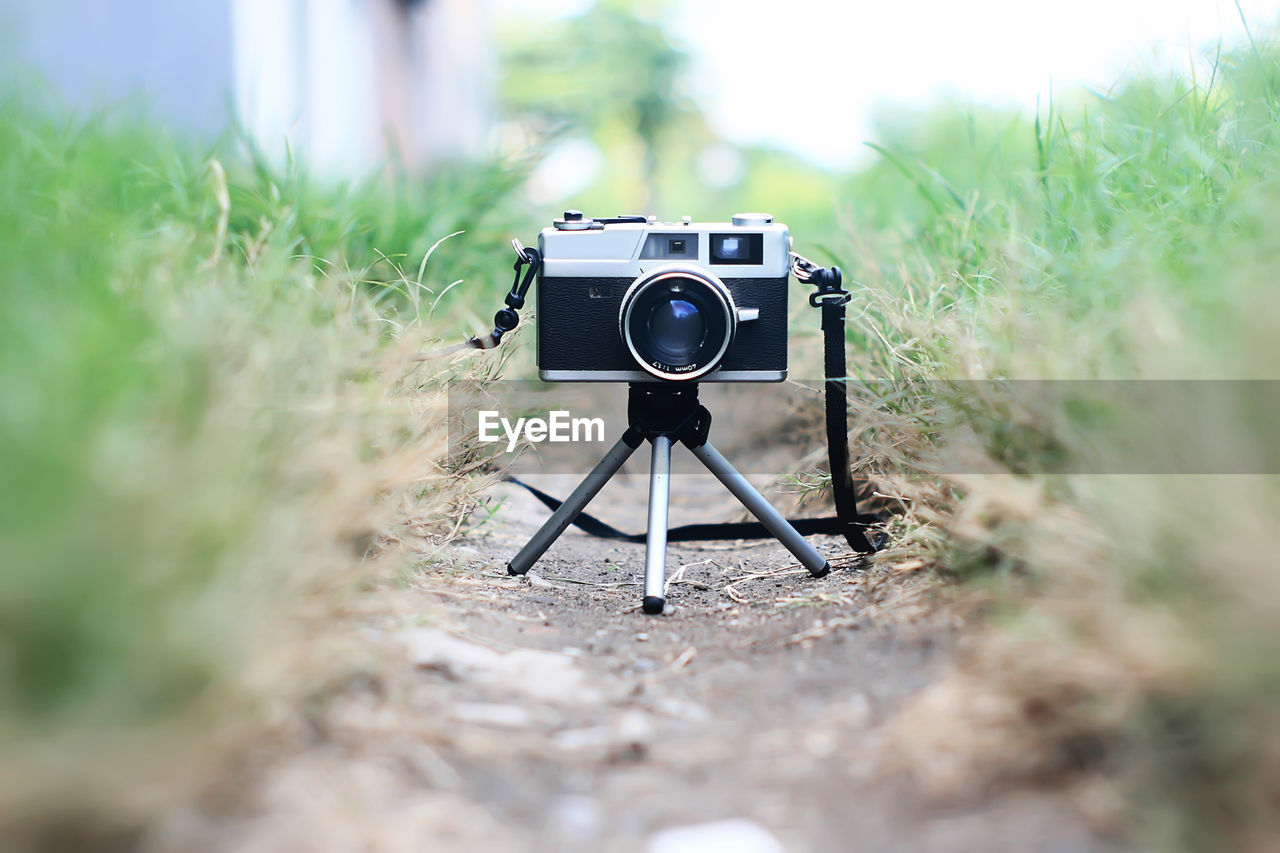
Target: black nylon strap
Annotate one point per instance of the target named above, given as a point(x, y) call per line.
point(853, 524)
point(507, 318)
point(593, 526)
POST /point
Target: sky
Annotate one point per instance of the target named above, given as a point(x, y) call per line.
point(764, 67)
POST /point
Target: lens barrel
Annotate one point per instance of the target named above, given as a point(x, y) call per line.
point(678, 321)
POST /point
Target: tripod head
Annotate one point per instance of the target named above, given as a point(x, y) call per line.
point(666, 409)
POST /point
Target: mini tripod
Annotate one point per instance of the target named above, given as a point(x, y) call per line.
point(662, 414)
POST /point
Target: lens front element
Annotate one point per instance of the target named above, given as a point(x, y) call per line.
point(678, 321)
point(676, 329)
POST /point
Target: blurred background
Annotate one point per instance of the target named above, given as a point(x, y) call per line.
point(614, 106)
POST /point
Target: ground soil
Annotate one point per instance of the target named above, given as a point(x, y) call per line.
point(549, 713)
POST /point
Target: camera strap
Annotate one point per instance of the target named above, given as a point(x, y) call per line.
point(507, 318)
point(831, 299)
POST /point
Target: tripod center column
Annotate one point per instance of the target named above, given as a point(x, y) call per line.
point(656, 543)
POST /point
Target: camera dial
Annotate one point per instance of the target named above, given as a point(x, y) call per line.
point(678, 321)
point(574, 221)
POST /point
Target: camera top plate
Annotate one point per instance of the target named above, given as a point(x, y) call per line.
point(752, 245)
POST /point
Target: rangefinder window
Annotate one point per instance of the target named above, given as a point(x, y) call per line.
point(674, 246)
point(737, 248)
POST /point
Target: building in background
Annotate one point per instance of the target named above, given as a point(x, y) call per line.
point(343, 84)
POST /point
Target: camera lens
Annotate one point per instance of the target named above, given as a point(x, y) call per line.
point(678, 321)
point(676, 330)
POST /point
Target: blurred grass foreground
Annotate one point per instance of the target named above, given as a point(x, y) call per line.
point(209, 415)
point(1128, 235)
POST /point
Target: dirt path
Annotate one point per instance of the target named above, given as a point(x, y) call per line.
point(549, 713)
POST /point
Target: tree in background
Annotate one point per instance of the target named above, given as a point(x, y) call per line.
point(614, 77)
point(612, 74)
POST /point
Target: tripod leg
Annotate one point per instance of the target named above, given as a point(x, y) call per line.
point(763, 510)
point(560, 519)
point(655, 547)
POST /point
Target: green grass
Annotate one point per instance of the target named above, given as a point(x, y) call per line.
point(1132, 234)
point(209, 407)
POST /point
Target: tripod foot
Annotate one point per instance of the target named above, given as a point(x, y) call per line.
point(653, 604)
point(822, 572)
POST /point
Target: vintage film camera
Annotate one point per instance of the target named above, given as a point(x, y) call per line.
point(631, 299)
point(661, 306)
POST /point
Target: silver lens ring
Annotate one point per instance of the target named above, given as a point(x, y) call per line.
point(712, 293)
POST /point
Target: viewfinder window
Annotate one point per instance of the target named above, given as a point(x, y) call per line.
point(737, 248)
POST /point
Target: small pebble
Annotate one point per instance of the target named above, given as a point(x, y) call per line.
point(724, 836)
point(576, 817)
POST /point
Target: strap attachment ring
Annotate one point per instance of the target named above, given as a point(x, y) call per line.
point(827, 279)
point(508, 318)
